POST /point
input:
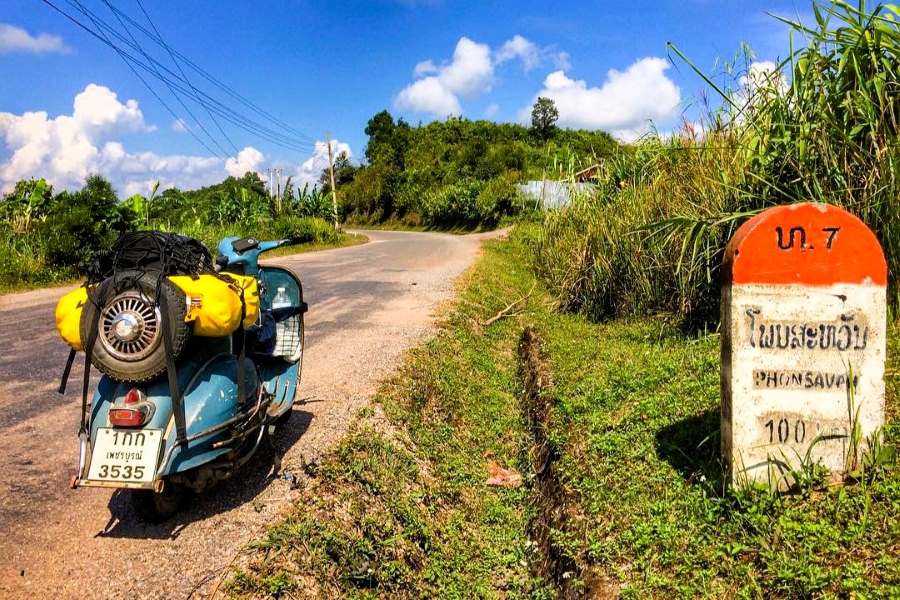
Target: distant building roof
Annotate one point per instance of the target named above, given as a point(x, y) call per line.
point(587, 174)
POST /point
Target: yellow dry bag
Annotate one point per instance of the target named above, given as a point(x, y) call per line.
point(68, 316)
point(214, 305)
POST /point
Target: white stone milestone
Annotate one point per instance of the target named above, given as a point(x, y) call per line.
point(803, 343)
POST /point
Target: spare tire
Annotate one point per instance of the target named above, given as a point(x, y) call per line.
point(129, 327)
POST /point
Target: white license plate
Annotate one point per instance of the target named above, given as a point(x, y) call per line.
point(129, 456)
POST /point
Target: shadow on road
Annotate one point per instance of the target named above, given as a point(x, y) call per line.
point(243, 487)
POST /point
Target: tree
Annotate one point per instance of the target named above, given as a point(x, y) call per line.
point(543, 117)
point(344, 171)
point(85, 223)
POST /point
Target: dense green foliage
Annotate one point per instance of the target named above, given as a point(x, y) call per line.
point(652, 236)
point(50, 238)
point(458, 172)
point(402, 507)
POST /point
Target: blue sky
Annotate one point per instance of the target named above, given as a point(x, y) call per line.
point(330, 66)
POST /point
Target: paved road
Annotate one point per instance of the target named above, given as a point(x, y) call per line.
point(368, 304)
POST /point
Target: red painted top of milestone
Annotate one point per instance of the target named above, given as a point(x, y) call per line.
point(808, 244)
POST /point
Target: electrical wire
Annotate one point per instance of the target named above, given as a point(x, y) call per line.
point(171, 89)
point(183, 74)
point(152, 91)
point(206, 100)
point(175, 80)
point(222, 86)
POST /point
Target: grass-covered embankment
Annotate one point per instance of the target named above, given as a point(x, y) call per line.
point(401, 508)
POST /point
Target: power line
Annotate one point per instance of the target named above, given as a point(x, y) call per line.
point(171, 89)
point(183, 74)
point(225, 112)
point(202, 98)
point(212, 79)
point(147, 85)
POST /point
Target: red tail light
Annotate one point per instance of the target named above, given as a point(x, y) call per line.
point(127, 417)
point(133, 396)
point(134, 413)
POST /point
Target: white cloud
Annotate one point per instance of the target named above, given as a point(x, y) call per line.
point(248, 159)
point(491, 110)
point(98, 109)
point(439, 89)
point(469, 74)
point(16, 39)
point(310, 169)
point(67, 148)
point(425, 67)
point(429, 95)
point(519, 47)
point(625, 103)
point(179, 126)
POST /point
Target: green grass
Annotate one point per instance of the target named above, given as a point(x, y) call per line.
point(401, 509)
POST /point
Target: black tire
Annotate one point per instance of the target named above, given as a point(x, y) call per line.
point(153, 362)
point(154, 507)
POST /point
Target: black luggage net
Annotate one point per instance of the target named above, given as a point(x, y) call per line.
point(157, 251)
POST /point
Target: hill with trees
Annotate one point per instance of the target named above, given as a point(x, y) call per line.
point(459, 172)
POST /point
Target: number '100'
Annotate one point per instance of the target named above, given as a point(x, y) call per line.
point(782, 432)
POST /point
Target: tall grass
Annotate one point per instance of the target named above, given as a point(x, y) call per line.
point(822, 127)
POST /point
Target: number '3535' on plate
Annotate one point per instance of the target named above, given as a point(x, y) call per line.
point(125, 455)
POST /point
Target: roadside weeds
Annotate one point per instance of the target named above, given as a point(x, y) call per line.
point(620, 493)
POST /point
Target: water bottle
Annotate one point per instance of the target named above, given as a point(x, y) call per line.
point(281, 299)
point(283, 327)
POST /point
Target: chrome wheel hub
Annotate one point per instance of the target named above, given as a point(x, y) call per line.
point(130, 326)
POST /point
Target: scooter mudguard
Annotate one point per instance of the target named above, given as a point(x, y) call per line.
point(210, 398)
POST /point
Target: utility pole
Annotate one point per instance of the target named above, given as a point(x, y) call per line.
point(333, 185)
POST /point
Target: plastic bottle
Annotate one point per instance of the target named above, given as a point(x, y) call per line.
point(281, 299)
point(283, 328)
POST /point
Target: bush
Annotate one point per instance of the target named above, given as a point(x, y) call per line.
point(499, 198)
point(306, 230)
point(82, 225)
point(454, 205)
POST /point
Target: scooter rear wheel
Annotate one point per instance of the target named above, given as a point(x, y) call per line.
point(156, 507)
point(144, 357)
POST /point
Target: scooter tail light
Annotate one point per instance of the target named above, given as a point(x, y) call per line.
point(132, 412)
point(127, 417)
point(133, 396)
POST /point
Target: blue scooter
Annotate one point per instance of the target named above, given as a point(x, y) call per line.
point(136, 438)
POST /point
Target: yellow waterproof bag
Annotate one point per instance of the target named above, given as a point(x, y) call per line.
point(68, 316)
point(214, 305)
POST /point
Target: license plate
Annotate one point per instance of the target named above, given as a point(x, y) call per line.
point(124, 455)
